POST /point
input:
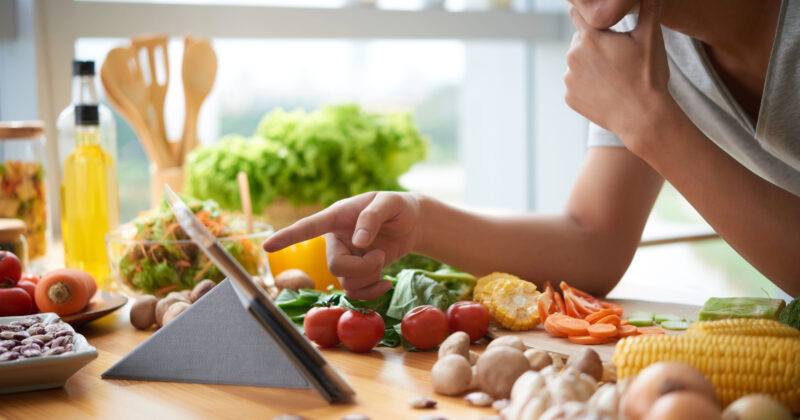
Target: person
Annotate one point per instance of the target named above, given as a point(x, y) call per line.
point(704, 94)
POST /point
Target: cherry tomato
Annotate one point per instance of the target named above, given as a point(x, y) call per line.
point(470, 317)
point(10, 269)
point(33, 278)
point(14, 301)
point(29, 288)
point(424, 327)
point(360, 331)
point(320, 325)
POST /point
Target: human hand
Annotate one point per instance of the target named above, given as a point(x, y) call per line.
point(363, 234)
point(616, 79)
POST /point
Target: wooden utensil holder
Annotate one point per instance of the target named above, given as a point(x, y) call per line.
point(160, 176)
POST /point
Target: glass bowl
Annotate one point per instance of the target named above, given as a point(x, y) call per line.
point(159, 267)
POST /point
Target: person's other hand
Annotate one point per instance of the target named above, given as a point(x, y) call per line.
point(363, 234)
point(617, 79)
point(603, 14)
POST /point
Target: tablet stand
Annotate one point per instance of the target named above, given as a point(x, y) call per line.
point(214, 341)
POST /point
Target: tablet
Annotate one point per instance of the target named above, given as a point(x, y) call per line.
point(305, 357)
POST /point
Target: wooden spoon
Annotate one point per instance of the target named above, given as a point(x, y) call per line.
point(122, 80)
point(199, 71)
point(244, 195)
point(157, 91)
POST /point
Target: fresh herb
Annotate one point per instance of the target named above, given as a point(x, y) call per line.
point(317, 157)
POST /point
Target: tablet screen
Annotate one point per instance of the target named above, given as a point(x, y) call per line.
point(306, 358)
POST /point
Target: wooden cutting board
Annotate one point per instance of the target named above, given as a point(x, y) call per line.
point(537, 338)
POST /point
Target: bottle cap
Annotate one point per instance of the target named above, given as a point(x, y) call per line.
point(86, 115)
point(82, 68)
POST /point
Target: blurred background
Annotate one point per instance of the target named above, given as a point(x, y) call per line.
point(481, 78)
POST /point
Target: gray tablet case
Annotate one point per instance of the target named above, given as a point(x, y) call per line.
point(214, 341)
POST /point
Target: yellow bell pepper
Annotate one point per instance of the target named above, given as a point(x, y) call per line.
point(308, 256)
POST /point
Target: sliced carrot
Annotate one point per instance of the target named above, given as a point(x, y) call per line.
point(650, 330)
point(586, 339)
point(572, 326)
point(570, 308)
point(618, 309)
point(550, 327)
point(623, 321)
point(602, 330)
point(627, 330)
point(610, 319)
point(594, 317)
point(559, 301)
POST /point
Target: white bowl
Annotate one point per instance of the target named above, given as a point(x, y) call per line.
point(44, 372)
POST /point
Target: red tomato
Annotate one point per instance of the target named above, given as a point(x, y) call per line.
point(33, 278)
point(320, 325)
point(424, 327)
point(10, 269)
point(14, 301)
point(29, 288)
point(470, 317)
point(360, 331)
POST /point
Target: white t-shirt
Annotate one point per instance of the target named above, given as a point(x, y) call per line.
point(770, 147)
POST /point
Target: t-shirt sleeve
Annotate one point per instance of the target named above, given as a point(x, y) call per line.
point(599, 136)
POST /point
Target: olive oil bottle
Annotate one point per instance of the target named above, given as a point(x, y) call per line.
point(90, 200)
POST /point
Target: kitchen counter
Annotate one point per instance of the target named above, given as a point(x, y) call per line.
point(383, 378)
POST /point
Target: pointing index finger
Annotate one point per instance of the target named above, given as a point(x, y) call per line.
point(304, 229)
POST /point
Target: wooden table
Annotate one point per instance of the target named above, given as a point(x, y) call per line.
point(383, 379)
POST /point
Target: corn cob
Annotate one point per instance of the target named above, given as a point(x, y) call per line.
point(485, 284)
point(513, 305)
point(511, 301)
point(744, 326)
point(737, 365)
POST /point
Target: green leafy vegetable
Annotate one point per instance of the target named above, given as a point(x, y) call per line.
point(412, 260)
point(744, 307)
point(791, 314)
point(317, 157)
point(412, 288)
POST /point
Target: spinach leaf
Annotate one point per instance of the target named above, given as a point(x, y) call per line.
point(415, 288)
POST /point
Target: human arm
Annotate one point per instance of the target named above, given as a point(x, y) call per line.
point(589, 245)
point(619, 81)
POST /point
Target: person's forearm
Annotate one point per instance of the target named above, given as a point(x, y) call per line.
point(534, 247)
point(758, 219)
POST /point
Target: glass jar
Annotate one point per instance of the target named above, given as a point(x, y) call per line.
point(22, 181)
point(12, 239)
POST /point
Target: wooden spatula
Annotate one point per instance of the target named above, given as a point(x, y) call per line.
point(159, 75)
point(123, 82)
point(199, 71)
